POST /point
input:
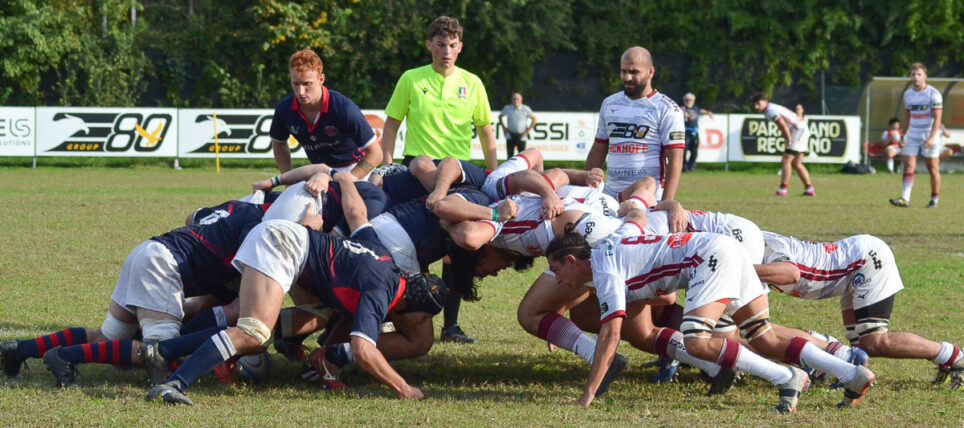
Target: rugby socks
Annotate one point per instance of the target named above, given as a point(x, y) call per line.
point(908, 185)
point(36, 347)
point(116, 352)
point(669, 344)
point(890, 164)
point(935, 197)
point(216, 350)
point(735, 356)
point(947, 356)
point(560, 331)
point(782, 190)
point(801, 352)
point(172, 349)
point(213, 317)
point(839, 350)
point(339, 354)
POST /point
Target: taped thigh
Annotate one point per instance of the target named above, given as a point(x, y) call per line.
point(255, 328)
point(697, 327)
point(725, 324)
point(757, 325)
point(114, 328)
point(159, 329)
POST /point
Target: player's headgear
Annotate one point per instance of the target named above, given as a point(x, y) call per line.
point(424, 292)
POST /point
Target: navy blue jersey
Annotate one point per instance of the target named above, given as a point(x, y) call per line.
point(204, 250)
point(336, 140)
point(423, 226)
point(353, 276)
point(375, 201)
point(472, 174)
point(691, 118)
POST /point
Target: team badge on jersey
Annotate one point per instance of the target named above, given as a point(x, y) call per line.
point(463, 92)
point(677, 240)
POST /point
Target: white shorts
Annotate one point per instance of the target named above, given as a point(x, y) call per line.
point(150, 279)
point(494, 185)
point(748, 234)
point(897, 149)
point(614, 189)
point(877, 280)
point(397, 242)
point(276, 248)
point(732, 277)
point(799, 140)
point(291, 204)
point(914, 146)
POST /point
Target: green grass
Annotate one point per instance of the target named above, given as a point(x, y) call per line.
point(65, 232)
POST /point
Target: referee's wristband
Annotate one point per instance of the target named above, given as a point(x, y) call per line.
point(495, 214)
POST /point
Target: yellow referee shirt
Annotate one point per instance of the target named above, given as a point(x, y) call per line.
point(440, 111)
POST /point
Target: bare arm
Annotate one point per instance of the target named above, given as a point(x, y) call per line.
point(528, 180)
point(784, 128)
point(352, 204)
point(455, 209)
point(606, 344)
point(678, 217)
point(487, 137)
point(292, 176)
point(470, 235)
point(935, 129)
point(707, 112)
point(372, 360)
point(448, 172)
point(674, 169)
point(778, 273)
point(904, 126)
point(282, 155)
point(389, 132)
point(372, 158)
point(597, 156)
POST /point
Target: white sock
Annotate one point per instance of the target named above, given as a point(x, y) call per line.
point(947, 349)
point(907, 186)
point(812, 356)
point(756, 365)
point(890, 164)
point(219, 316)
point(709, 367)
point(585, 346)
point(808, 189)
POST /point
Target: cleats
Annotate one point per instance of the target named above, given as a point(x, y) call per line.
point(224, 372)
point(814, 374)
point(615, 369)
point(158, 368)
point(64, 372)
point(456, 335)
point(780, 192)
point(722, 382)
point(292, 351)
point(327, 371)
point(667, 370)
point(954, 372)
point(809, 192)
point(10, 356)
point(855, 389)
point(170, 392)
point(791, 390)
point(858, 357)
point(932, 204)
point(899, 202)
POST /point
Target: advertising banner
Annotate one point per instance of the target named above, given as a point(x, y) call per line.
point(241, 133)
point(712, 139)
point(560, 136)
point(105, 131)
point(18, 131)
point(833, 139)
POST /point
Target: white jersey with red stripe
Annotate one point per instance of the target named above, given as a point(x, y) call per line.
point(890, 137)
point(631, 266)
point(637, 132)
point(921, 105)
point(595, 197)
point(776, 111)
point(746, 232)
point(529, 234)
point(825, 267)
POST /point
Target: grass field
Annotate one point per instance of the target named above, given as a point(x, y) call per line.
point(65, 232)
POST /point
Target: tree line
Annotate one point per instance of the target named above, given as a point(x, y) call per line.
point(233, 54)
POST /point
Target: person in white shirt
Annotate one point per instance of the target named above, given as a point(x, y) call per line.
point(797, 135)
point(923, 109)
point(640, 131)
point(894, 141)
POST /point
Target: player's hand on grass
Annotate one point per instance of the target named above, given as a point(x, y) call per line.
point(507, 210)
point(318, 184)
point(311, 217)
point(585, 400)
point(595, 178)
point(411, 392)
point(552, 206)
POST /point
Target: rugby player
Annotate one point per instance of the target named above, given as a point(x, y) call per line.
point(631, 266)
point(354, 276)
point(327, 124)
point(640, 131)
point(797, 136)
point(923, 110)
point(154, 279)
point(861, 270)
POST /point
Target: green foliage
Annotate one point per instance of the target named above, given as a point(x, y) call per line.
point(204, 53)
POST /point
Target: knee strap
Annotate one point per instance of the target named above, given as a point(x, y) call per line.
point(697, 327)
point(755, 326)
point(159, 329)
point(871, 325)
point(114, 328)
point(850, 332)
point(255, 328)
point(725, 324)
